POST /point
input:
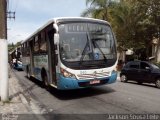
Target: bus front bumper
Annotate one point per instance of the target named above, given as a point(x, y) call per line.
point(69, 83)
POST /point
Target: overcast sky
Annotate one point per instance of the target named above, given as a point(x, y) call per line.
point(32, 14)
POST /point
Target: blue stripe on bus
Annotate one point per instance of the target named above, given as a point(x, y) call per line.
point(69, 83)
point(113, 78)
point(37, 73)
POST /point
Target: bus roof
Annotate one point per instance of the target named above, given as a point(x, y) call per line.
point(65, 19)
point(77, 19)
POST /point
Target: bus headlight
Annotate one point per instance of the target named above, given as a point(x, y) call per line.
point(67, 74)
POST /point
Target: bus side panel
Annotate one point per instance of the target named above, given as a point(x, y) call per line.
point(113, 78)
point(40, 61)
point(66, 83)
point(25, 63)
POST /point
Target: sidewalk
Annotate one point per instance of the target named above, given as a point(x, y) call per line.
point(18, 106)
point(17, 103)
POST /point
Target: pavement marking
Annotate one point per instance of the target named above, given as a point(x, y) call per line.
point(23, 99)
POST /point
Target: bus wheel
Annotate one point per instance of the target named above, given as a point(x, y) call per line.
point(139, 82)
point(45, 81)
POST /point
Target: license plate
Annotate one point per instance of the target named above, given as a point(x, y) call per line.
point(94, 81)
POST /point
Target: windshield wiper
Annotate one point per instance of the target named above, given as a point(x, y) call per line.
point(88, 44)
point(83, 53)
point(105, 59)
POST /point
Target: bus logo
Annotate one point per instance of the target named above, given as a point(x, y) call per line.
point(95, 74)
point(96, 56)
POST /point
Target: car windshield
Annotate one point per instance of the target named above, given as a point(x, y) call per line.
point(154, 66)
point(86, 42)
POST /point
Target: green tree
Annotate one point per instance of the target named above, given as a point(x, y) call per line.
point(149, 26)
point(11, 46)
point(154, 13)
point(120, 15)
point(97, 9)
point(134, 21)
point(122, 23)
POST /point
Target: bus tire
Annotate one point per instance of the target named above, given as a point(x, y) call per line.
point(139, 82)
point(45, 79)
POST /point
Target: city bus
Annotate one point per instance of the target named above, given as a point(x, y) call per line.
point(71, 53)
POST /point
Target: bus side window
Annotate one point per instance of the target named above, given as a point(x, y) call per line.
point(22, 49)
point(36, 44)
point(27, 49)
point(43, 43)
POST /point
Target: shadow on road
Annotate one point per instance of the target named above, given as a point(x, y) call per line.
point(80, 93)
point(21, 92)
point(75, 94)
point(143, 84)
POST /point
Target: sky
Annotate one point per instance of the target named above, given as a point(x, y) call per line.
point(32, 14)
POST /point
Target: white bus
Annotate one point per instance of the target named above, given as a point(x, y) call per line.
point(71, 53)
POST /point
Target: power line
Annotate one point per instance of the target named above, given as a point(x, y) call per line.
point(10, 13)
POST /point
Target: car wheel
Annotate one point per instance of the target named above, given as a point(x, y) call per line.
point(158, 83)
point(140, 82)
point(123, 78)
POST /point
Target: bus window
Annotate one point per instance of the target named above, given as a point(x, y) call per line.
point(36, 44)
point(27, 49)
point(43, 43)
point(22, 49)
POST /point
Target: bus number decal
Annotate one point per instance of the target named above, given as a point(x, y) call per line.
point(83, 72)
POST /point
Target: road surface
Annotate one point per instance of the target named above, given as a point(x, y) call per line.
point(117, 98)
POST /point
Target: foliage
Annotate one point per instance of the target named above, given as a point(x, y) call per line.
point(157, 63)
point(12, 46)
point(124, 21)
point(97, 9)
point(135, 22)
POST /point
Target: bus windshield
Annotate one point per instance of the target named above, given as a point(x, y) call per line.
point(86, 42)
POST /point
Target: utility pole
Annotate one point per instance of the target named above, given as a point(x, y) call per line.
point(4, 89)
point(3, 19)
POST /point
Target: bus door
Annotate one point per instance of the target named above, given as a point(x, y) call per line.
point(52, 58)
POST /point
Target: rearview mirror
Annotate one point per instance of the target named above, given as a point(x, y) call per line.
point(56, 38)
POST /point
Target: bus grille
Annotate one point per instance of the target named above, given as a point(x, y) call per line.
point(92, 76)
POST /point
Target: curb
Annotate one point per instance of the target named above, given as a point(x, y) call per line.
point(17, 92)
point(23, 99)
point(29, 102)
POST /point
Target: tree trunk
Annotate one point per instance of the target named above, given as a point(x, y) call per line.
point(158, 47)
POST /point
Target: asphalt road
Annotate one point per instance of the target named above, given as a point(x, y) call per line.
point(117, 98)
